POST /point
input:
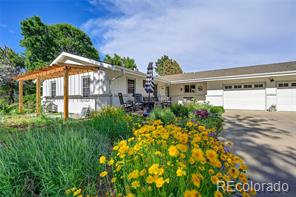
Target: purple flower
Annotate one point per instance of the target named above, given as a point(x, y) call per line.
point(202, 114)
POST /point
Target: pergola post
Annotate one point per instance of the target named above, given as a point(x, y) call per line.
point(20, 96)
point(66, 93)
point(38, 97)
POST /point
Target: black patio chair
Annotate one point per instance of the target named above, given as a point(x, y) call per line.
point(139, 104)
point(127, 106)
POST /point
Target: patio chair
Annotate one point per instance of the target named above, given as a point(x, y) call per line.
point(127, 106)
point(139, 104)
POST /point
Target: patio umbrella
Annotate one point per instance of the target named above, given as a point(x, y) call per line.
point(149, 85)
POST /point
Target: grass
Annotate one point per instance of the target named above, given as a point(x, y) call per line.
point(45, 161)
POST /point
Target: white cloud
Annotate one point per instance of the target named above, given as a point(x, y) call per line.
point(200, 35)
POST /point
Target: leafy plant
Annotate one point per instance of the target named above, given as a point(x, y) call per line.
point(180, 110)
point(165, 115)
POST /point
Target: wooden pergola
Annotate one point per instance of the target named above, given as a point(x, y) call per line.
point(50, 72)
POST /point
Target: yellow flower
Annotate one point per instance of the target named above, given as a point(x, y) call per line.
point(102, 159)
point(182, 147)
point(159, 182)
point(189, 124)
point(135, 184)
point(77, 192)
point(173, 151)
point(211, 171)
point(149, 179)
point(191, 193)
point(113, 180)
point(197, 154)
point(214, 179)
point(218, 194)
point(243, 167)
point(68, 191)
point(111, 162)
point(180, 172)
point(211, 154)
point(195, 180)
point(158, 153)
point(201, 128)
point(133, 175)
point(233, 172)
point(103, 174)
point(143, 172)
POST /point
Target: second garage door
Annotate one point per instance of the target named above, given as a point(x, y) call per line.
point(286, 96)
point(245, 96)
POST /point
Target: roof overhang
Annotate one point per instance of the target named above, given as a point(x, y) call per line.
point(235, 77)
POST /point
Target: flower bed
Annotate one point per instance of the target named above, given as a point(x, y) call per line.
point(169, 160)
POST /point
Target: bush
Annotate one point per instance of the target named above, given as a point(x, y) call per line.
point(112, 121)
point(180, 110)
point(217, 110)
point(165, 115)
point(172, 161)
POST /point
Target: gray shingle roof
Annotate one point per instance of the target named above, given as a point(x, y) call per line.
point(246, 70)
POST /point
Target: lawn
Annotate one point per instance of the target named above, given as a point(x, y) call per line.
point(112, 153)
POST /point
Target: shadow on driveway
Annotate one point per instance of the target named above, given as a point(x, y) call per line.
point(267, 142)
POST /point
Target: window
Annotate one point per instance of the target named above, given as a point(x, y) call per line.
point(282, 85)
point(189, 88)
point(144, 82)
point(293, 84)
point(248, 86)
point(237, 86)
point(53, 88)
point(228, 87)
point(85, 86)
point(258, 85)
point(131, 86)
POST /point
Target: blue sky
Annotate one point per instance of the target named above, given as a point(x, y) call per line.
point(199, 34)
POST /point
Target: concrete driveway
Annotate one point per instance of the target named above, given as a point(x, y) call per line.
point(267, 142)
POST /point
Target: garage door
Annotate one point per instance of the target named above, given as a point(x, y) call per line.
point(286, 96)
point(245, 96)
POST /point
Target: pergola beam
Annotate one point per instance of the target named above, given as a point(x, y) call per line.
point(38, 97)
point(21, 106)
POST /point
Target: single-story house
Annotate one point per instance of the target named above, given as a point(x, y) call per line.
point(248, 88)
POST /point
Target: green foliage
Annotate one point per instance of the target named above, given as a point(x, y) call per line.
point(165, 115)
point(167, 66)
point(113, 121)
point(46, 162)
point(44, 42)
point(127, 62)
point(180, 110)
point(217, 110)
point(11, 65)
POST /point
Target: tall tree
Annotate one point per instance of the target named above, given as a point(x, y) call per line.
point(11, 64)
point(167, 66)
point(127, 62)
point(44, 42)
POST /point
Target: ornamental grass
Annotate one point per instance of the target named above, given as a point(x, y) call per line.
point(167, 160)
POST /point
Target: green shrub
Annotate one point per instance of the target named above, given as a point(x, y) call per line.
point(112, 121)
point(180, 110)
point(165, 115)
point(217, 110)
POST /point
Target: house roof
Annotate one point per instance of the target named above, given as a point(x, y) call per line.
point(246, 71)
point(76, 59)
